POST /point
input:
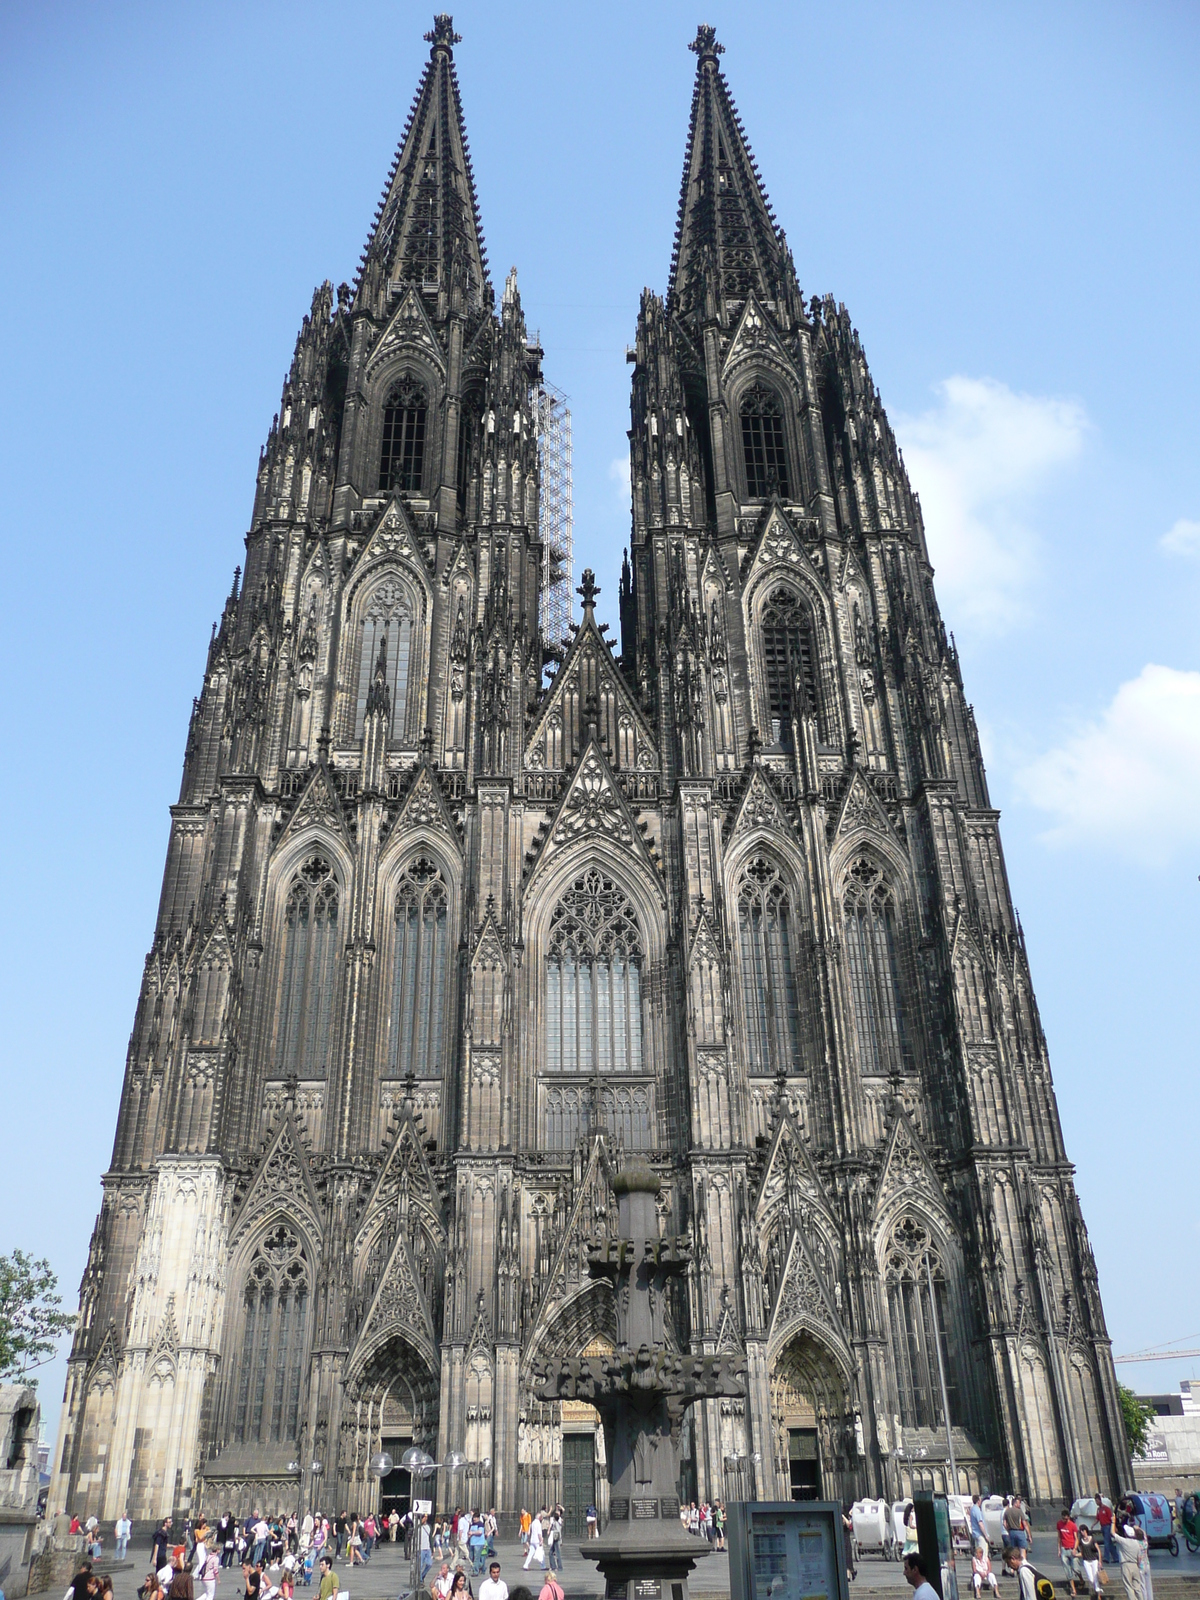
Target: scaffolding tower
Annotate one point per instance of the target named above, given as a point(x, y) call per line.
point(556, 514)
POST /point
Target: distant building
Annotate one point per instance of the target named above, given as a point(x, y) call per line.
point(438, 937)
point(1170, 1459)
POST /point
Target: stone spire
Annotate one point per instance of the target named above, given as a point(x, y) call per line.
point(427, 229)
point(726, 240)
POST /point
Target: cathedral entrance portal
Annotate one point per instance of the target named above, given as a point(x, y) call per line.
point(813, 1422)
point(393, 1404)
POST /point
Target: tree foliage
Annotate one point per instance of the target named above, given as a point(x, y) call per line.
point(1136, 1416)
point(31, 1321)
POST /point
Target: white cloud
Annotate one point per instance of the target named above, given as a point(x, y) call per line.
point(978, 460)
point(618, 471)
point(1130, 779)
point(1182, 539)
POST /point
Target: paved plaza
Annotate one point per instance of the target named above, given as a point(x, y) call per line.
point(387, 1575)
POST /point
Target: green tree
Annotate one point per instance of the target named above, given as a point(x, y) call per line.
point(31, 1321)
point(1136, 1416)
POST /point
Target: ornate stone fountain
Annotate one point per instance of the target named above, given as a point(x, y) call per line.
point(641, 1392)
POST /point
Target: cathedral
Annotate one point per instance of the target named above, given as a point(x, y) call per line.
point(456, 914)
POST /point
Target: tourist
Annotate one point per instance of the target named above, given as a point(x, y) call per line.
point(536, 1551)
point(1068, 1540)
point(443, 1581)
point(370, 1532)
point(493, 1586)
point(910, 1530)
point(719, 1525)
point(329, 1580)
point(121, 1531)
point(462, 1535)
point(354, 1545)
point(181, 1579)
point(916, 1574)
point(526, 1524)
point(260, 1533)
point(592, 1517)
point(460, 1589)
point(551, 1589)
point(491, 1526)
point(424, 1554)
point(977, 1523)
point(1089, 1560)
point(252, 1581)
point(982, 1575)
point(1129, 1553)
point(162, 1539)
point(1015, 1536)
point(477, 1542)
point(1104, 1517)
point(393, 1524)
point(207, 1572)
point(554, 1535)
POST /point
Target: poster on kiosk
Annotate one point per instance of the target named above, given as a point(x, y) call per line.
point(787, 1550)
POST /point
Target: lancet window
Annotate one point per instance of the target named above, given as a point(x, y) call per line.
point(402, 461)
point(869, 912)
point(763, 443)
point(789, 662)
point(420, 971)
point(388, 617)
point(918, 1324)
point(594, 981)
point(308, 971)
point(274, 1343)
point(767, 934)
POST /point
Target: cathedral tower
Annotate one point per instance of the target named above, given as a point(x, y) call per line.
point(440, 934)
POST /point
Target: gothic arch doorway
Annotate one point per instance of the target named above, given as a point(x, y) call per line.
point(815, 1433)
point(390, 1405)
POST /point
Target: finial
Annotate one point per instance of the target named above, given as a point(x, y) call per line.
point(442, 35)
point(753, 745)
point(426, 742)
point(588, 589)
point(705, 42)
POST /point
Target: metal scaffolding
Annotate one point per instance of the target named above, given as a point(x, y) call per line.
point(556, 513)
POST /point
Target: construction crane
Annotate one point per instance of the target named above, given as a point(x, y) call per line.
point(1157, 1353)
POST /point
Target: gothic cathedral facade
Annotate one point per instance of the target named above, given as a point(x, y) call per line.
point(452, 917)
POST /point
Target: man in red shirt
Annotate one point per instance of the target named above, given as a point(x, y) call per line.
point(1068, 1542)
point(1104, 1516)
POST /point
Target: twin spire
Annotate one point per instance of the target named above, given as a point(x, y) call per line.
point(427, 229)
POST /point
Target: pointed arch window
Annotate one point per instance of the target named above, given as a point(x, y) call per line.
point(594, 981)
point(763, 443)
point(918, 1324)
point(869, 913)
point(308, 971)
point(420, 972)
point(767, 936)
point(402, 462)
point(789, 662)
point(388, 615)
point(274, 1345)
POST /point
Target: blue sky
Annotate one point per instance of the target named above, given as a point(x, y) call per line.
point(1004, 196)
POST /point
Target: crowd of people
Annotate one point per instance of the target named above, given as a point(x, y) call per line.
point(706, 1521)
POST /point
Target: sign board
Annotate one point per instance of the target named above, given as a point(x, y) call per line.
point(422, 1508)
point(935, 1541)
point(786, 1550)
point(1154, 1449)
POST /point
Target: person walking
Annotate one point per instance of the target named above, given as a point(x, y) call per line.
point(422, 1537)
point(526, 1524)
point(393, 1523)
point(978, 1525)
point(1068, 1540)
point(554, 1533)
point(162, 1541)
point(593, 1522)
point(1089, 1561)
point(551, 1589)
point(209, 1572)
point(122, 1528)
point(536, 1551)
point(476, 1543)
point(1104, 1517)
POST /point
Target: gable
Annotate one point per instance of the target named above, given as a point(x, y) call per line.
point(759, 807)
point(409, 329)
point(589, 669)
point(907, 1171)
point(862, 808)
point(804, 1296)
point(394, 537)
point(789, 1171)
point(592, 807)
point(405, 1172)
point(425, 806)
point(755, 338)
point(318, 806)
point(284, 1179)
point(778, 544)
